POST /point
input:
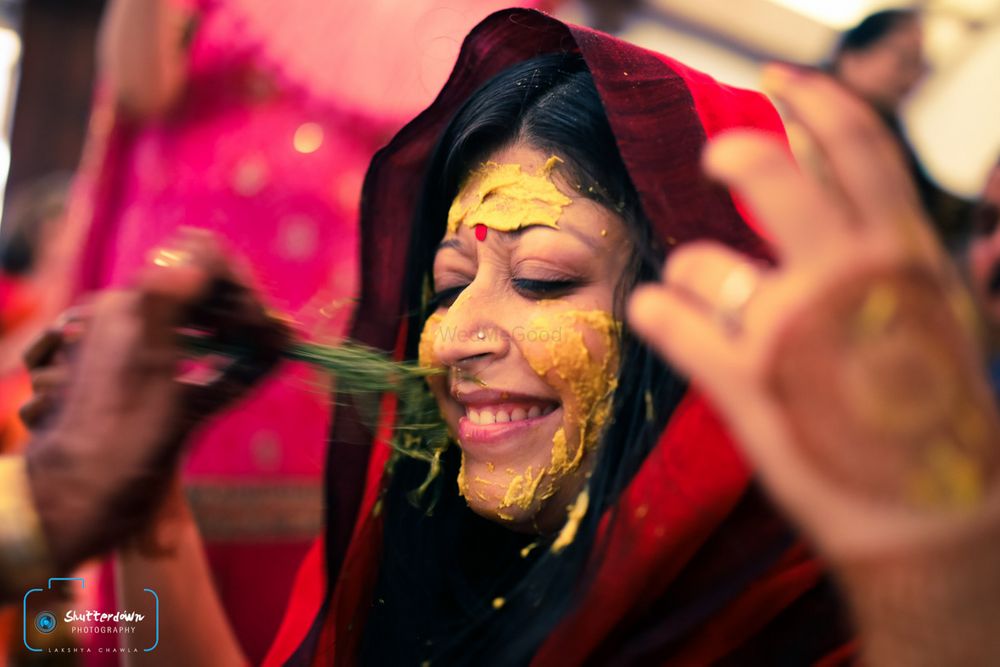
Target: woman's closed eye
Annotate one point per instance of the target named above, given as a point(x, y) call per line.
point(531, 288)
point(544, 289)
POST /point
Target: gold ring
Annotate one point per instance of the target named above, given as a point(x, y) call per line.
point(166, 257)
point(735, 293)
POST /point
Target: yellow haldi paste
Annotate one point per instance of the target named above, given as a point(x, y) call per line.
point(521, 490)
point(425, 349)
point(576, 514)
point(504, 198)
point(591, 381)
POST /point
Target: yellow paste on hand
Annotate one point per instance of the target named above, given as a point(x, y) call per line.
point(504, 198)
point(950, 478)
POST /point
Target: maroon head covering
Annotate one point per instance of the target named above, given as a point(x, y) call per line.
point(697, 567)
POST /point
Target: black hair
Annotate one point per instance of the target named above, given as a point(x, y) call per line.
point(872, 29)
point(453, 587)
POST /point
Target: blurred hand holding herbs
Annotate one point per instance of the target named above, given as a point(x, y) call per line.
point(365, 374)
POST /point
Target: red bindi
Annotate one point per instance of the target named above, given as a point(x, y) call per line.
point(480, 232)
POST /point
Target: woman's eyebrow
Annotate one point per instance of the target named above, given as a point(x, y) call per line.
point(455, 244)
point(450, 243)
point(589, 240)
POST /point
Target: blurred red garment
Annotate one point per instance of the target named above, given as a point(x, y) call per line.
point(18, 307)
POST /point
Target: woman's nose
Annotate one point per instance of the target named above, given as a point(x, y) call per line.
point(469, 335)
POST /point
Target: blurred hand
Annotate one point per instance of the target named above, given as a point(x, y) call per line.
point(849, 372)
point(119, 391)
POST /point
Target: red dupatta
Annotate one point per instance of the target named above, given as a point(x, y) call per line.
point(698, 568)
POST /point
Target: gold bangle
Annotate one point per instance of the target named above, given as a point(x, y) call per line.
point(24, 555)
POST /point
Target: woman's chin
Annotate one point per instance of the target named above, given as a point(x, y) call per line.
point(516, 520)
point(520, 502)
point(510, 497)
point(544, 516)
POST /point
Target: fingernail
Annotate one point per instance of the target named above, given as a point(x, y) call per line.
point(72, 331)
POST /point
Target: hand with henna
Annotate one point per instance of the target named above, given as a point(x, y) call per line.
point(851, 374)
point(118, 391)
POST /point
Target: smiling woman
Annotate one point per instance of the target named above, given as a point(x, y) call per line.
point(529, 235)
point(523, 404)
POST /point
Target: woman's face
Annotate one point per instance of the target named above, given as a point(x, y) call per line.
point(526, 276)
point(887, 71)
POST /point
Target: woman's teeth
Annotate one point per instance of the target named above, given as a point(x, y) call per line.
point(485, 415)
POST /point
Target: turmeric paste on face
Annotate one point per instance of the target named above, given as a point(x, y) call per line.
point(425, 349)
point(590, 382)
point(505, 198)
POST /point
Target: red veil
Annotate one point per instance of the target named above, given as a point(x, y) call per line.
point(698, 568)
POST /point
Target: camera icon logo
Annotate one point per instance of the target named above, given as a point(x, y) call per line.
point(45, 622)
point(35, 621)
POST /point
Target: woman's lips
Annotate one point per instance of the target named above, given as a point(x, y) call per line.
point(494, 424)
point(494, 416)
point(507, 412)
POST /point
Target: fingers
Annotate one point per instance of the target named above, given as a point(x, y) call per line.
point(43, 350)
point(191, 283)
point(188, 289)
point(803, 219)
point(866, 161)
point(681, 334)
point(48, 384)
point(193, 258)
point(215, 301)
point(716, 280)
point(241, 325)
point(706, 285)
point(37, 411)
point(49, 379)
point(178, 275)
point(47, 362)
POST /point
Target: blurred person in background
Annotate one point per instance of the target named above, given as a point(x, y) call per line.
point(192, 127)
point(35, 263)
point(882, 60)
point(255, 120)
point(982, 260)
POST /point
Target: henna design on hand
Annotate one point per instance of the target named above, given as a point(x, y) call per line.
point(905, 416)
